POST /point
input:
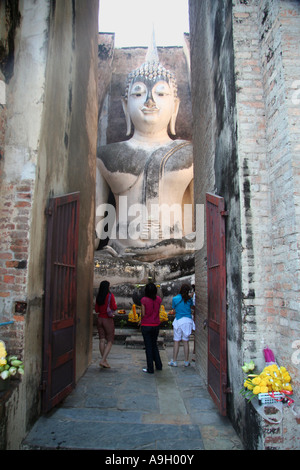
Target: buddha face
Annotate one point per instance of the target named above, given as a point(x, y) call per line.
point(151, 105)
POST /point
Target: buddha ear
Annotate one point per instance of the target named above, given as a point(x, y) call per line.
point(127, 117)
point(174, 116)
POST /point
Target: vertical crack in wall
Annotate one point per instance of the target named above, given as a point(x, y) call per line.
point(11, 18)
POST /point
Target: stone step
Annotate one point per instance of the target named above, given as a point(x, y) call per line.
point(137, 342)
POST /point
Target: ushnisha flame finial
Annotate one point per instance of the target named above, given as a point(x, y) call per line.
point(152, 54)
point(151, 70)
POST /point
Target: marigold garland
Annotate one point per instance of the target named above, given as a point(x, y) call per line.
point(272, 379)
point(134, 315)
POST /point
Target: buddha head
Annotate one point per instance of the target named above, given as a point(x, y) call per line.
point(150, 101)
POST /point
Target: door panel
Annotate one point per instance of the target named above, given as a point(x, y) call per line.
point(216, 284)
point(60, 299)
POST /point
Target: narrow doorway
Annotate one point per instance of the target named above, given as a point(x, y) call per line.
point(216, 289)
point(59, 357)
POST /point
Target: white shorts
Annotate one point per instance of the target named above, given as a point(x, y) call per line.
point(183, 328)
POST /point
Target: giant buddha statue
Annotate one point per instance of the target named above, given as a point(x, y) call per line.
point(151, 174)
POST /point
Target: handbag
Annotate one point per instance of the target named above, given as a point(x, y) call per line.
point(109, 311)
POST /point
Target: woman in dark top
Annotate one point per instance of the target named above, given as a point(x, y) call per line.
point(150, 326)
point(105, 324)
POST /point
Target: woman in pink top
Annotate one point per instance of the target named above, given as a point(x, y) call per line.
point(150, 327)
point(105, 324)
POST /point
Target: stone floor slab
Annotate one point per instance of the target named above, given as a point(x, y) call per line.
point(123, 408)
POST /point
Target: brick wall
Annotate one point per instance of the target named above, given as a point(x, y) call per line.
point(266, 38)
point(254, 183)
point(15, 211)
point(266, 35)
point(283, 121)
point(16, 189)
point(14, 229)
point(266, 64)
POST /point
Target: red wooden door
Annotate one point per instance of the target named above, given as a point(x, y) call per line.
point(216, 278)
point(60, 300)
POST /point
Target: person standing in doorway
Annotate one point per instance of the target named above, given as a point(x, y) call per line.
point(105, 323)
point(183, 323)
point(150, 327)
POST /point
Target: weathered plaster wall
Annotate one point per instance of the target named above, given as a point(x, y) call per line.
point(24, 108)
point(216, 164)
point(203, 142)
point(67, 149)
point(50, 149)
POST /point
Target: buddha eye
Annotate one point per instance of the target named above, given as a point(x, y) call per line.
point(162, 90)
point(137, 91)
point(136, 95)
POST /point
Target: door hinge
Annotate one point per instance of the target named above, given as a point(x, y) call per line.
point(224, 213)
point(48, 211)
point(226, 389)
point(43, 385)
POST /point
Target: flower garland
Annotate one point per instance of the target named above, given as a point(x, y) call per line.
point(272, 379)
point(134, 315)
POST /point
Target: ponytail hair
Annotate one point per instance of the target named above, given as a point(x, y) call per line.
point(184, 291)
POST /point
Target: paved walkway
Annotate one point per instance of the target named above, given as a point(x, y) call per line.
point(123, 408)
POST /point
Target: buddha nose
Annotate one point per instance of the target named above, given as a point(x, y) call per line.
point(150, 103)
